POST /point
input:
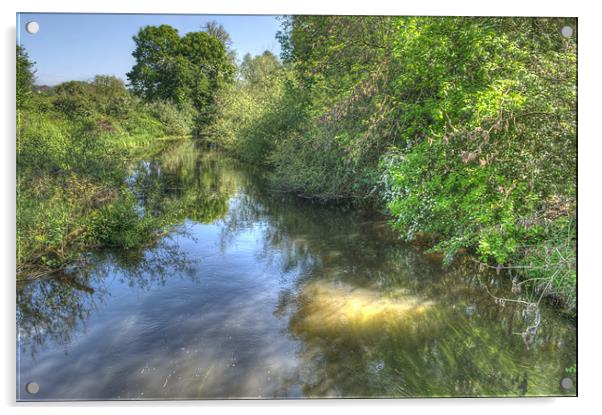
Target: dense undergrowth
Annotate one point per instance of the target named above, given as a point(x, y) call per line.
point(463, 128)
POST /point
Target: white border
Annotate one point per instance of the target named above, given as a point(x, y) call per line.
point(590, 204)
point(445, 8)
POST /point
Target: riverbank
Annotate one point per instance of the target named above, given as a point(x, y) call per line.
point(75, 143)
point(461, 128)
point(487, 163)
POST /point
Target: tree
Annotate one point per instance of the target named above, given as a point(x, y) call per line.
point(155, 47)
point(183, 70)
point(215, 29)
point(25, 76)
point(218, 31)
point(256, 70)
point(109, 86)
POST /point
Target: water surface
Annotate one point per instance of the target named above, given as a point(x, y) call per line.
point(259, 294)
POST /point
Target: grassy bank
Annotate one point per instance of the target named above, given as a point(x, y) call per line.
point(463, 128)
point(74, 144)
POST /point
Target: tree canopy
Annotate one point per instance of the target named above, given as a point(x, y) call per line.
point(186, 70)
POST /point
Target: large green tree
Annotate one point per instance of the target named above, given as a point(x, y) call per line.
point(186, 70)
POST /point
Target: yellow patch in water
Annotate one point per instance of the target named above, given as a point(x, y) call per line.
point(328, 306)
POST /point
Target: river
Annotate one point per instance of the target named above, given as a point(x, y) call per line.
point(260, 294)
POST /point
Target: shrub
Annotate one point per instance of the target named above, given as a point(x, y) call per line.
point(175, 121)
point(122, 224)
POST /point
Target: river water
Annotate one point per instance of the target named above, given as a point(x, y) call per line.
point(260, 294)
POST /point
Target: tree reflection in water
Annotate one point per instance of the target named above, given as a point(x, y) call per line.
point(377, 317)
point(52, 309)
point(181, 183)
point(185, 182)
point(281, 297)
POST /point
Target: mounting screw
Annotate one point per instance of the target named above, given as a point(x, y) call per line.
point(566, 383)
point(32, 27)
point(567, 31)
point(32, 388)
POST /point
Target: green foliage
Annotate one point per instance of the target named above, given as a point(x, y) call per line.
point(493, 136)
point(74, 143)
point(155, 49)
point(111, 96)
point(187, 71)
point(256, 111)
point(74, 99)
point(25, 76)
point(465, 128)
point(260, 70)
point(176, 121)
point(343, 71)
point(122, 224)
point(41, 143)
point(486, 154)
point(572, 369)
point(550, 261)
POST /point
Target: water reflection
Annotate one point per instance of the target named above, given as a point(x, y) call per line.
point(424, 351)
point(259, 294)
point(338, 308)
point(184, 182)
point(51, 310)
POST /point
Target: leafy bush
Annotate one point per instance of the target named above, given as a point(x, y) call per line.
point(257, 112)
point(309, 164)
point(42, 143)
point(121, 224)
point(74, 99)
point(143, 124)
point(51, 218)
point(175, 121)
point(476, 163)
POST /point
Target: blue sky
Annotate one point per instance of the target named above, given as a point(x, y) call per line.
point(79, 46)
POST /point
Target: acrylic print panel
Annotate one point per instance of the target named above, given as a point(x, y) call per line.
point(295, 206)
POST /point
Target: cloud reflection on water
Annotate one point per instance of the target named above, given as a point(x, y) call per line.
point(262, 294)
